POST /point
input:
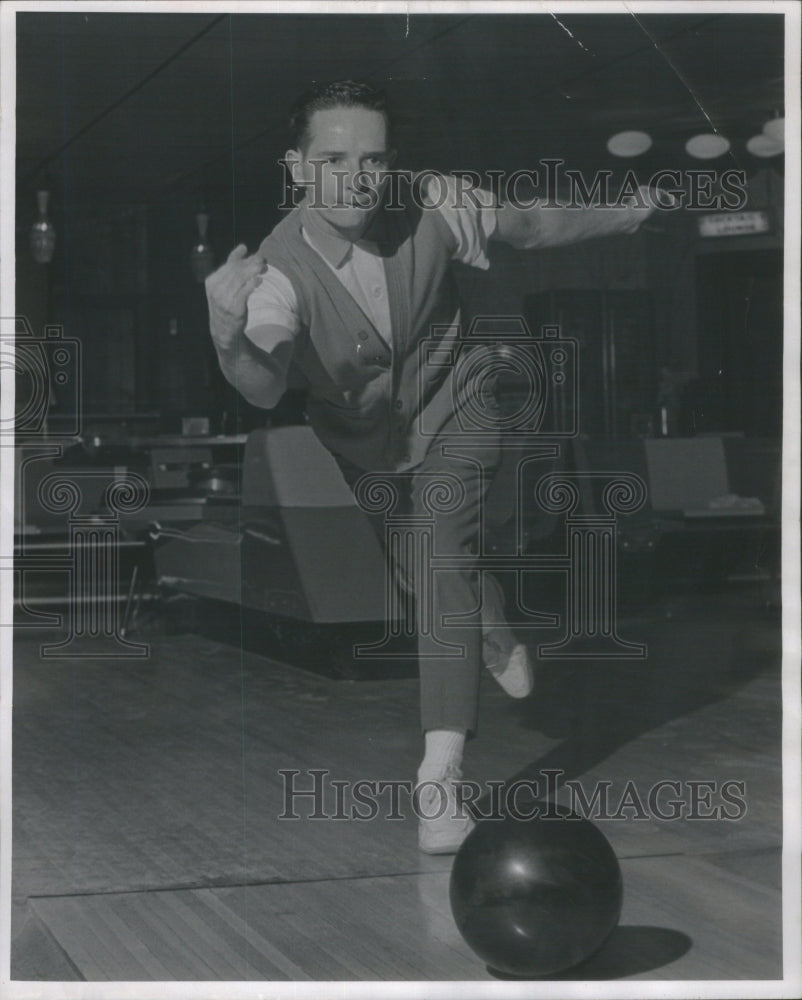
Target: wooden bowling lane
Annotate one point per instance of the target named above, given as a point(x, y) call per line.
point(146, 796)
point(400, 928)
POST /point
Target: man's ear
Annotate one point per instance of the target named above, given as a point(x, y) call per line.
point(293, 159)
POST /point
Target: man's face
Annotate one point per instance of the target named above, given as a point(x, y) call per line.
point(344, 166)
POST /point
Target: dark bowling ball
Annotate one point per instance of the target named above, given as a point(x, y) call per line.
point(535, 897)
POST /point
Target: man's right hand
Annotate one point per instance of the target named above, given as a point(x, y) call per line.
point(227, 291)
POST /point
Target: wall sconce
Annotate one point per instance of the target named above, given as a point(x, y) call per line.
point(202, 258)
point(43, 235)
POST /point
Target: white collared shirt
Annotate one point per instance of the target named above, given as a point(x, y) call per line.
point(362, 275)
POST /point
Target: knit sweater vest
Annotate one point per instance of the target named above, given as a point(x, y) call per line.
point(377, 406)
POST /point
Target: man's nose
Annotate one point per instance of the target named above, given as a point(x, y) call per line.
point(353, 179)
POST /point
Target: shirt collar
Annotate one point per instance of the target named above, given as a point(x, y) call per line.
point(334, 248)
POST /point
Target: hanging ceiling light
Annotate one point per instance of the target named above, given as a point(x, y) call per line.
point(762, 145)
point(630, 143)
point(202, 258)
point(43, 235)
point(707, 146)
point(775, 130)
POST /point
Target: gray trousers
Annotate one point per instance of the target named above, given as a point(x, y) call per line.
point(441, 504)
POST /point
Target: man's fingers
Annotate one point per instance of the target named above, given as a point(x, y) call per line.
point(244, 293)
point(239, 251)
point(666, 199)
point(244, 269)
point(229, 288)
point(239, 257)
point(244, 275)
point(232, 276)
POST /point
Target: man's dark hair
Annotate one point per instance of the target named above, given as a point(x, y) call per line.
point(341, 94)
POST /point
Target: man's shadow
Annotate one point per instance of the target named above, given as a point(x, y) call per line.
point(696, 656)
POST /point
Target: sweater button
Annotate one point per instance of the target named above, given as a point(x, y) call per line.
point(362, 335)
point(399, 405)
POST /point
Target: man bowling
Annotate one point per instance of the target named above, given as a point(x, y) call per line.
point(340, 295)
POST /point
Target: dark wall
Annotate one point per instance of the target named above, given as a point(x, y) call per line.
point(666, 258)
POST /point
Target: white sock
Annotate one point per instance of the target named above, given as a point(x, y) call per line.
point(444, 748)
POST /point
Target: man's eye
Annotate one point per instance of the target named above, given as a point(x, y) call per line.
point(374, 161)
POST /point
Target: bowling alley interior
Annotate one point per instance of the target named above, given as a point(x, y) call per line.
point(206, 675)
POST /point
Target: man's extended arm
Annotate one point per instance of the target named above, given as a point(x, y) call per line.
point(259, 375)
point(544, 226)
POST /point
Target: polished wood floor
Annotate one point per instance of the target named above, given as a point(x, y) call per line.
point(147, 843)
